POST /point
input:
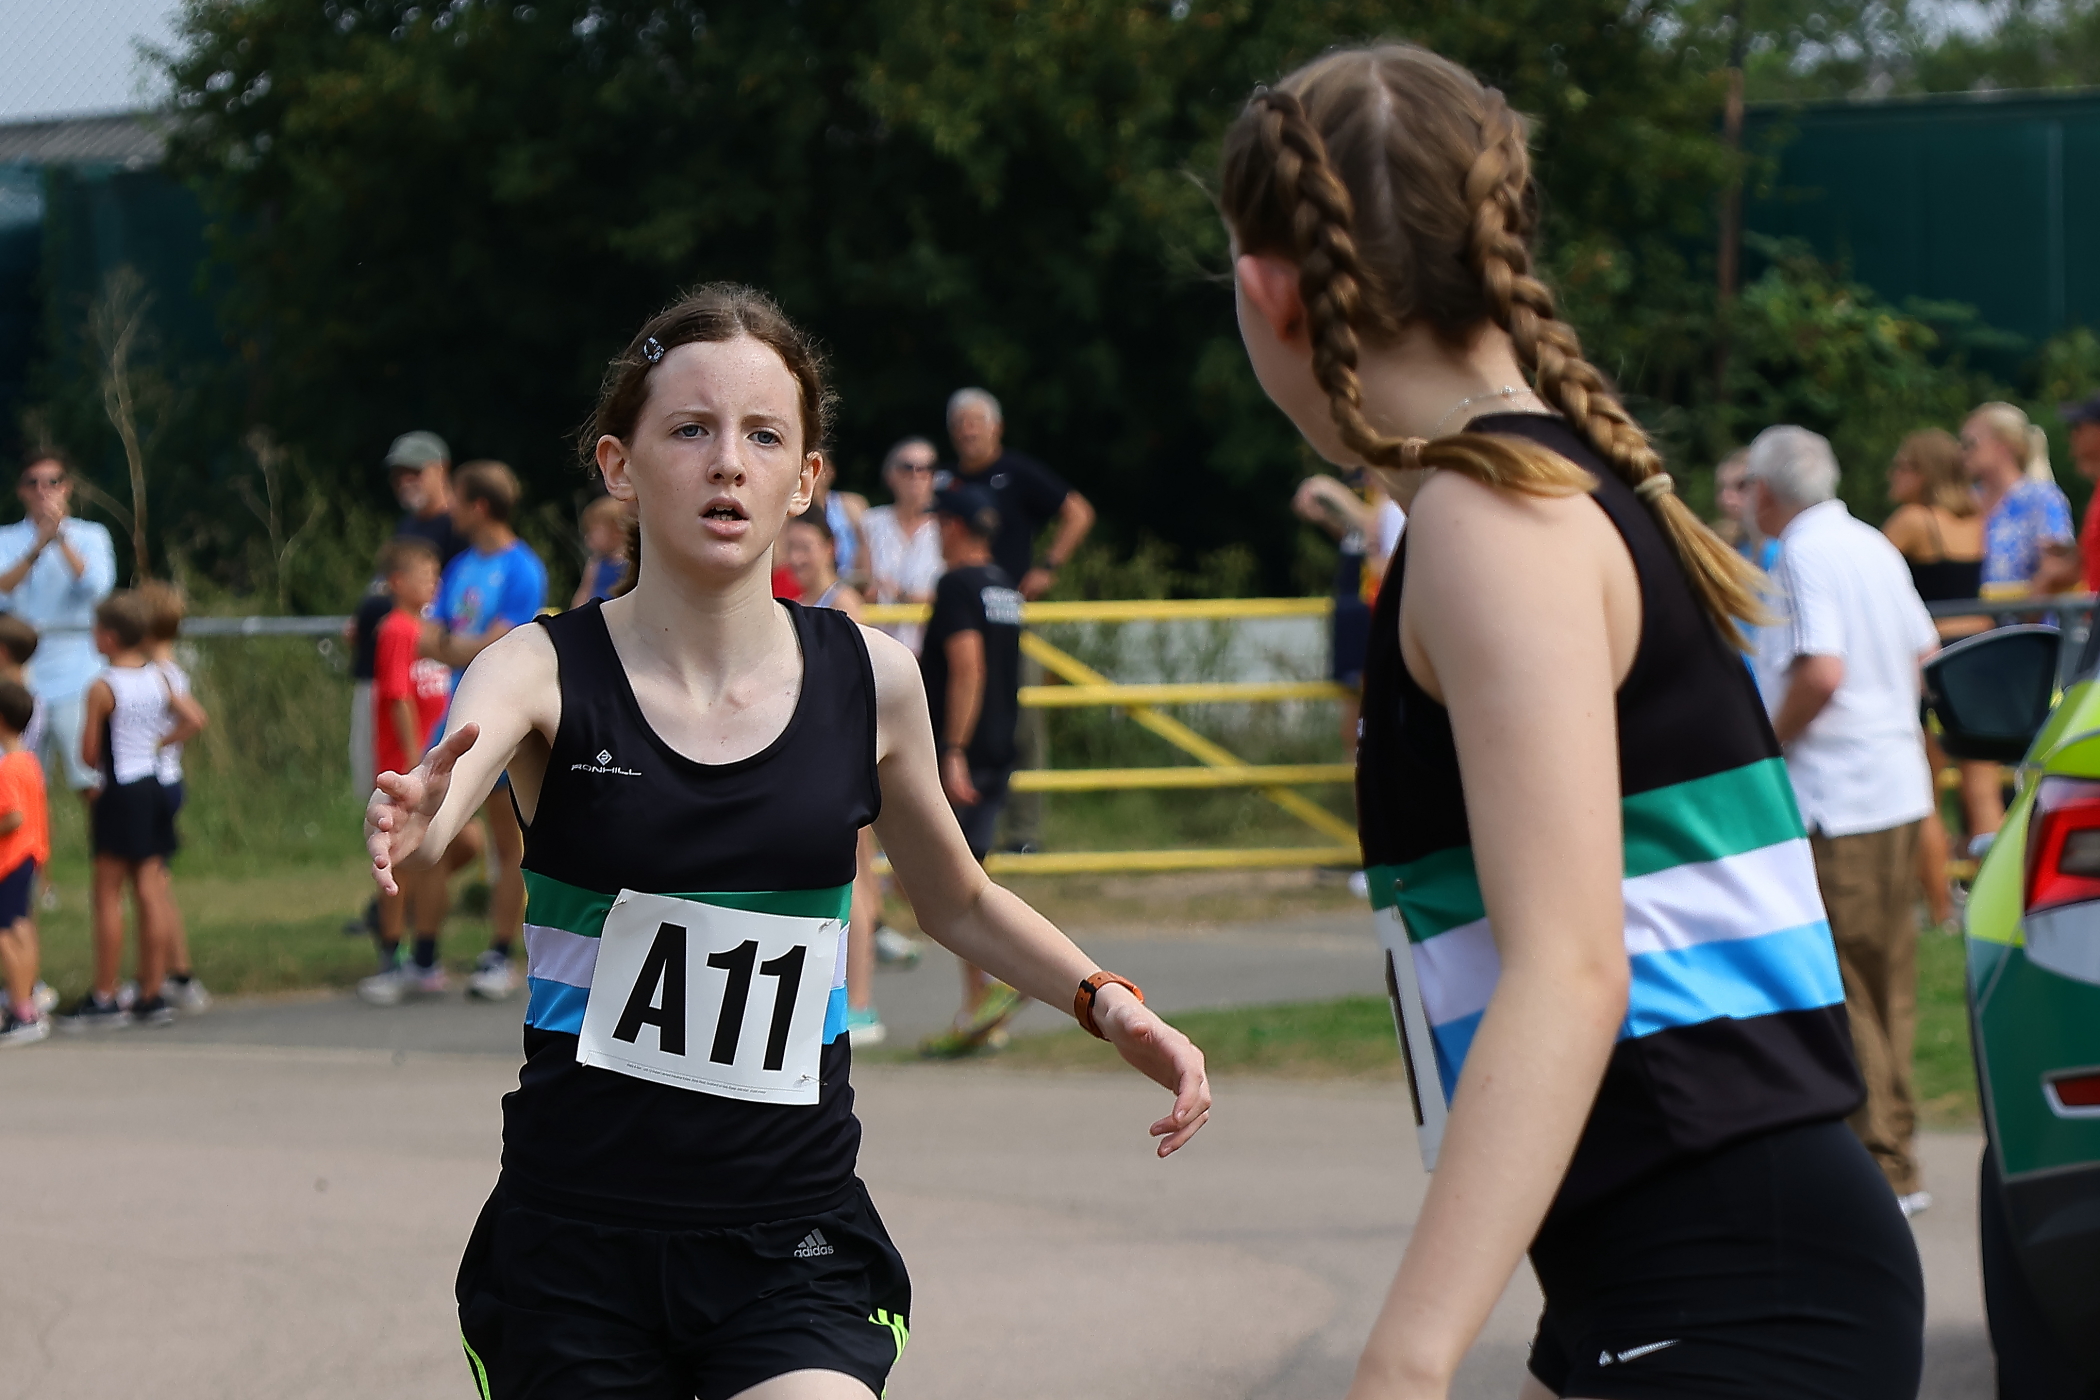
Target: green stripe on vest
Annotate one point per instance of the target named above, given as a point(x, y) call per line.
point(1688, 823)
point(1710, 818)
point(554, 904)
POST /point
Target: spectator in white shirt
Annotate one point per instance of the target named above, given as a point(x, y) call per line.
point(904, 540)
point(53, 571)
point(1839, 672)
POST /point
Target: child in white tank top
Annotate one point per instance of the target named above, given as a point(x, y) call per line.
point(131, 714)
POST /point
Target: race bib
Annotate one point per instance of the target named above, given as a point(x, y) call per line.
point(1411, 1025)
point(722, 1001)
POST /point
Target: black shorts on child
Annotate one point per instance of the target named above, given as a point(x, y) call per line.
point(556, 1308)
point(15, 889)
point(166, 842)
point(129, 820)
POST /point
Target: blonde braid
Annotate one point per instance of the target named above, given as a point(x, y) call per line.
point(1549, 349)
point(1332, 284)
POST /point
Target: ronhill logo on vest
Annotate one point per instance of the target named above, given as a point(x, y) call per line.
point(604, 764)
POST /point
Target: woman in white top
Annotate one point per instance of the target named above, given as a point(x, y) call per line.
point(904, 544)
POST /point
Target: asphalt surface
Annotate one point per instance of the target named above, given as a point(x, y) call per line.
point(271, 1200)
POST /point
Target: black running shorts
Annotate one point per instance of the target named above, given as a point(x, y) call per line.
point(555, 1308)
point(1779, 1266)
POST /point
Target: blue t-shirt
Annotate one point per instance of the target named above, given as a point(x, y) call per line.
point(481, 589)
point(2032, 516)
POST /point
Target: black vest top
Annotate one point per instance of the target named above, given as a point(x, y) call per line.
point(1735, 1023)
point(776, 832)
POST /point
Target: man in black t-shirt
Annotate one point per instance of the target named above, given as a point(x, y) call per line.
point(1029, 496)
point(971, 662)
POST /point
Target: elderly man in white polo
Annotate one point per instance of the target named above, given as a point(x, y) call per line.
point(1839, 673)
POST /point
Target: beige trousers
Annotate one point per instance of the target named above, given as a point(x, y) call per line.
point(1870, 888)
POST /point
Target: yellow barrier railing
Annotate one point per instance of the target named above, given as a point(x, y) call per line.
point(1215, 766)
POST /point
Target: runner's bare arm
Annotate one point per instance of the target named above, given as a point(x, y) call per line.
point(1512, 614)
point(512, 691)
point(961, 909)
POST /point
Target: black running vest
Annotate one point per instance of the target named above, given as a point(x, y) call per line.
point(1736, 1016)
point(777, 833)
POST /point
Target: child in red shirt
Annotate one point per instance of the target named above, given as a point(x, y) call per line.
point(409, 696)
point(25, 846)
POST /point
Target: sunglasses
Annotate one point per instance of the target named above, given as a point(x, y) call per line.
point(916, 468)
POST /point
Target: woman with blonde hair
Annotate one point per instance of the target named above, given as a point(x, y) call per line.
point(2029, 545)
point(1623, 1021)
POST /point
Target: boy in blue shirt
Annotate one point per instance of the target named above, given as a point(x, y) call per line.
point(496, 584)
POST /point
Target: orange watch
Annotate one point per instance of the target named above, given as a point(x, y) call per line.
point(1083, 1003)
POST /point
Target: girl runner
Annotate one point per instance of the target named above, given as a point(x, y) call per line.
point(1604, 935)
point(678, 1214)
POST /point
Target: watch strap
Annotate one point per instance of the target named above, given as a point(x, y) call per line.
point(1083, 1002)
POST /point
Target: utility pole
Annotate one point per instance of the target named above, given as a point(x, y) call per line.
point(1728, 261)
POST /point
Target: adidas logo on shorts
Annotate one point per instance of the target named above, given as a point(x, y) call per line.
point(813, 1246)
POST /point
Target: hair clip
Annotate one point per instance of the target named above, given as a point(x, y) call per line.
point(1652, 488)
point(652, 349)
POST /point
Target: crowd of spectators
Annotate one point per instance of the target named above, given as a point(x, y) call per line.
point(1978, 515)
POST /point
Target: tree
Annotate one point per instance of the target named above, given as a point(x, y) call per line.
point(450, 215)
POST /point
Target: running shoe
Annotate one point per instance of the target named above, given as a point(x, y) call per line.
point(46, 997)
point(864, 1027)
point(1359, 884)
point(491, 979)
point(127, 993)
point(14, 1030)
point(386, 988)
point(427, 981)
point(993, 1012)
point(894, 949)
point(94, 1013)
point(1915, 1204)
point(152, 1011)
point(984, 1030)
point(186, 994)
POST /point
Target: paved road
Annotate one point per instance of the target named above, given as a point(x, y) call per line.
point(253, 1205)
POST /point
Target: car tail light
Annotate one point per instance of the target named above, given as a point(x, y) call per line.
point(2077, 1092)
point(2063, 843)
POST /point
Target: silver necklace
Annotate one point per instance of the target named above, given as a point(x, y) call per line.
point(1506, 392)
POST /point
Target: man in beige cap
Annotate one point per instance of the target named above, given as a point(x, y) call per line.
point(419, 466)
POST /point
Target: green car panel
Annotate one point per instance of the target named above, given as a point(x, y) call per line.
point(2028, 1021)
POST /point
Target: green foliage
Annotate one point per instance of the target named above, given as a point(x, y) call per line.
point(450, 215)
point(1812, 348)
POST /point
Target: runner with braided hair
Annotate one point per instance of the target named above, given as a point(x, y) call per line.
point(1619, 1007)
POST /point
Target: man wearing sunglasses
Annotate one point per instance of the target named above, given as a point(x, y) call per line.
point(54, 569)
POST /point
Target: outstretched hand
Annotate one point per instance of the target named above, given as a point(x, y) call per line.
point(1162, 1054)
point(403, 804)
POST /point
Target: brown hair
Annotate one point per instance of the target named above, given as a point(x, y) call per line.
point(403, 550)
point(123, 615)
point(716, 312)
point(165, 609)
point(1439, 167)
point(17, 638)
point(38, 456)
point(491, 484)
point(17, 707)
point(603, 509)
point(1935, 456)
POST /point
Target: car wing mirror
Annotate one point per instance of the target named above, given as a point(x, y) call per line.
point(1992, 692)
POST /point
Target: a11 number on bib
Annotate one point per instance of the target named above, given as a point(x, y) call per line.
point(722, 1001)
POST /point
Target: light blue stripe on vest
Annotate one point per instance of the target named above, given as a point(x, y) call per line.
point(558, 1007)
point(1736, 979)
point(1792, 970)
point(835, 1015)
point(555, 1006)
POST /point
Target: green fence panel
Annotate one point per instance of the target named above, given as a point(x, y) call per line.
point(1993, 201)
